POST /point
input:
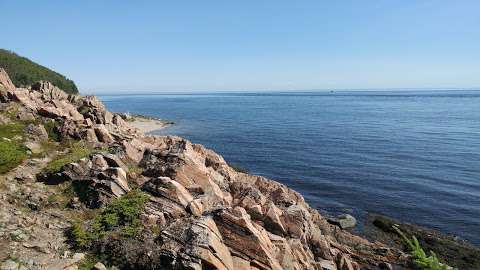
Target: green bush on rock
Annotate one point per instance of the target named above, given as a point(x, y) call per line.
point(120, 218)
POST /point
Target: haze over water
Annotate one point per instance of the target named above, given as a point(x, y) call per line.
point(411, 155)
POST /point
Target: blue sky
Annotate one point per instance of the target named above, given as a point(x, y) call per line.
point(249, 44)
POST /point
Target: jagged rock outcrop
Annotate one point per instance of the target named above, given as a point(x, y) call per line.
point(6, 86)
point(208, 215)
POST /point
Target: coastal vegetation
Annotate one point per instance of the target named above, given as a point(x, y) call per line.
point(24, 72)
point(77, 151)
point(421, 260)
point(120, 218)
point(12, 152)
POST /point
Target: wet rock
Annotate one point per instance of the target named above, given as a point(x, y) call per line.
point(344, 221)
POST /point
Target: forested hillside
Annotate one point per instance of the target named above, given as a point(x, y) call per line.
point(23, 72)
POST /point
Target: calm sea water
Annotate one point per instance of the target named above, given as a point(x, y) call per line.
point(410, 155)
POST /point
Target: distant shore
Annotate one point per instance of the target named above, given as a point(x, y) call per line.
point(144, 123)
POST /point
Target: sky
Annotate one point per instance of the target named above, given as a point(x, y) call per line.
point(249, 45)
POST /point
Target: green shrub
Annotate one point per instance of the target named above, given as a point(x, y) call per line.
point(119, 218)
point(420, 258)
point(11, 155)
point(87, 263)
point(78, 150)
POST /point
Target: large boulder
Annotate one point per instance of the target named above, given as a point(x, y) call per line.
point(247, 240)
point(6, 86)
point(103, 134)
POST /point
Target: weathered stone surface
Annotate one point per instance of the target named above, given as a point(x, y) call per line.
point(49, 91)
point(170, 189)
point(135, 148)
point(37, 131)
point(102, 134)
point(246, 239)
point(115, 161)
point(90, 136)
point(116, 181)
point(9, 265)
point(25, 116)
point(5, 80)
point(6, 86)
point(99, 266)
point(345, 263)
point(99, 163)
point(201, 241)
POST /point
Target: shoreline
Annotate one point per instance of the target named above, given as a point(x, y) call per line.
point(146, 124)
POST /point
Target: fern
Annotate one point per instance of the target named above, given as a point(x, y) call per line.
point(420, 258)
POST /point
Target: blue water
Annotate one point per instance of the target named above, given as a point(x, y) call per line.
point(410, 155)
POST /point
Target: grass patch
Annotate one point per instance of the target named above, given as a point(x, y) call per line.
point(11, 155)
point(77, 151)
point(121, 218)
point(420, 258)
point(135, 169)
point(11, 130)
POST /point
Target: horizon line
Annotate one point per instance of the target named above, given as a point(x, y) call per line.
point(147, 92)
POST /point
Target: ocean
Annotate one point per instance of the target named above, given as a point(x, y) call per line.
point(411, 155)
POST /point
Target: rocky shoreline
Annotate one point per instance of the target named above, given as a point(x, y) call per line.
point(92, 187)
point(145, 124)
